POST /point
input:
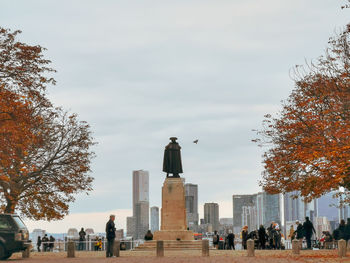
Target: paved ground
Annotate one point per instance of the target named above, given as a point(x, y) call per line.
point(186, 256)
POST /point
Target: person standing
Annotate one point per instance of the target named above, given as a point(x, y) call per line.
point(52, 243)
point(299, 233)
point(45, 242)
point(82, 239)
point(216, 239)
point(231, 240)
point(308, 229)
point(262, 236)
point(110, 235)
point(244, 237)
point(38, 244)
point(291, 233)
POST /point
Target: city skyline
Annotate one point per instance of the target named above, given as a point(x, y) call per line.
point(138, 75)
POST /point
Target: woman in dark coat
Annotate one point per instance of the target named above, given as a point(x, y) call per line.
point(262, 236)
point(244, 237)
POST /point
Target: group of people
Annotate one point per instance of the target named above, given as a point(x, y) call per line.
point(227, 243)
point(270, 238)
point(46, 242)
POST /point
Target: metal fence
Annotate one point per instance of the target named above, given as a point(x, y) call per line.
point(89, 245)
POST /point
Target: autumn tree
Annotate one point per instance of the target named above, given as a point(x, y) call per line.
point(309, 140)
point(45, 152)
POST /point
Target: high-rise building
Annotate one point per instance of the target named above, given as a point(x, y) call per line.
point(138, 224)
point(140, 187)
point(211, 215)
point(141, 219)
point(131, 226)
point(238, 202)
point(154, 218)
point(294, 208)
point(270, 209)
point(191, 199)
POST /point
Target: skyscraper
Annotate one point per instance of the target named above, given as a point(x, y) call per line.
point(191, 199)
point(142, 219)
point(154, 218)
point(238, 202)
point(140, 187)
point(139, 224)
point(211, 215)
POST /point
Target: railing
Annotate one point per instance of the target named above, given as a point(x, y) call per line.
point(88, 245)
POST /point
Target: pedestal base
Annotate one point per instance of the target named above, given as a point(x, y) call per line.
point(173, 235)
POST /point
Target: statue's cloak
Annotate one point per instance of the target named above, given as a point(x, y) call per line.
point(172, 159)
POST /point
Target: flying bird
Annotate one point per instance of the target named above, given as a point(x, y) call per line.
point(195, 141)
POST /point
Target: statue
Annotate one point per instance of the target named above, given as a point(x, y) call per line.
point(172, 159)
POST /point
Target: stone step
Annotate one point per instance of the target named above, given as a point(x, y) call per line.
point(171, 245)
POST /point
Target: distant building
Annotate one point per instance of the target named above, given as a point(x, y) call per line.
point(72, 233)
point(226, 221)
point(140, 187)
point(142, 219)
point(294, 208)
point(37, 233)
point(269, 209)
point(327, 206)
point(140, 201)
point(131, 226)
point(322, 224)
point(238, 202)
point(191, 198)
point(249, 217)
point(89, 231)
point(119, 234)
point(154, 218)
point(211, 215)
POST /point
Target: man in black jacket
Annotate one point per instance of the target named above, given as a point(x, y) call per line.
point(110, 235)
point(308, 229)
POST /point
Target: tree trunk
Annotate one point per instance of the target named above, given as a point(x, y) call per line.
point(10, 207)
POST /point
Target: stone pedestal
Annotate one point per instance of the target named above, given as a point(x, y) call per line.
point(71, 249)
point(116, 248)
point(250, 248)
point(173, 212)
point(205, 248)
point(160, 248)
point(295, 247)
point(342, 248)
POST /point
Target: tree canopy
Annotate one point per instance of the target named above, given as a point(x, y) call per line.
point(45, 152)
point(309, 140)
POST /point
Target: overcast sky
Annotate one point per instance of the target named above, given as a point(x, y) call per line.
point(142, 71)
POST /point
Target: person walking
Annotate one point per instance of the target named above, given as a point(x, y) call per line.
point(262, 236)
point(38, 244)
point(82, 239)
point(110, 235)
point(308, 229)
point(342, 230)
point(230, 240)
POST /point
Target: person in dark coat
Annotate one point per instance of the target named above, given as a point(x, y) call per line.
point(82, 239)
point(347, 230)
point(342, 230)
point(52, 243)
point(262, 236)
point(110, 235)
point(149, 236)
point(299, 233)
point(45, 241)
point(244, 237)
point(231, 240)
point(271, 233)
point(308, 229)
point(38, 243)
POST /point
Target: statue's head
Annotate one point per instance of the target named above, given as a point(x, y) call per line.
point(173, 139)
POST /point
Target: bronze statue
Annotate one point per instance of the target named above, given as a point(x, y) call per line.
point(172, 159)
